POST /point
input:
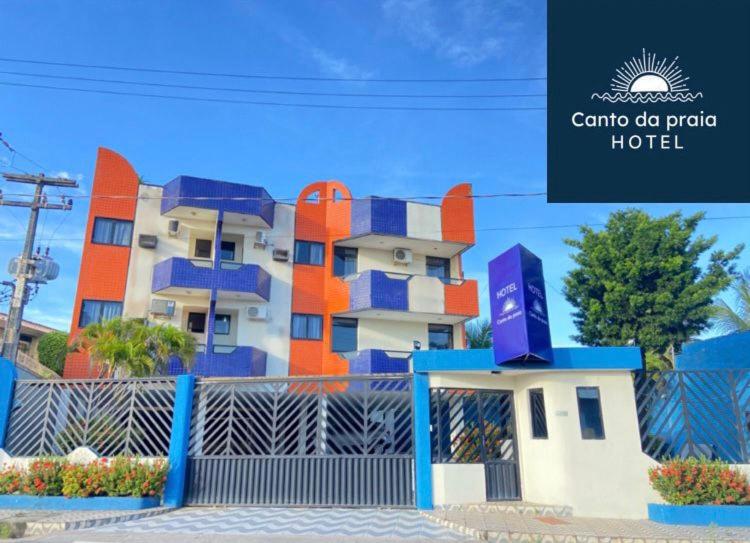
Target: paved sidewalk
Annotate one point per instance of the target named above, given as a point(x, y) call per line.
point(27, 522)
point(503, 526)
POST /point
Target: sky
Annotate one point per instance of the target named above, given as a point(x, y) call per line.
point(383, 152)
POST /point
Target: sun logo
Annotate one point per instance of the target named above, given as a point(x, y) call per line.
point(509, 305)
point(647, 79)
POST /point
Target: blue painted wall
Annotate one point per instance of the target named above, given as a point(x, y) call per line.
point(725, 352)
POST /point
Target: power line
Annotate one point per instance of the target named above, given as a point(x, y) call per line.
point(272, 91)
point(266, 76)
point(265, 103)
point(456, 230)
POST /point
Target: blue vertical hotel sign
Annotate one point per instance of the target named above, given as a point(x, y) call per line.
point(518, 305)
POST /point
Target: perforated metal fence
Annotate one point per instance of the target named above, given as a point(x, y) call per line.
point(312, 441)
point(110, 417)
point(694, 413)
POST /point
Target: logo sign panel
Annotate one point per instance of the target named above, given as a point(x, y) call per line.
point(647, 101)
point(518, 306)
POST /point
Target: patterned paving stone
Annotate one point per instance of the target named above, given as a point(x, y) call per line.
point(396, 524)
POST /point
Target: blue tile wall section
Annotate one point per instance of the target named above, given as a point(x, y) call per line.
point(241, 362)
point(181, 272)
point(185, 191)
point(377, 361)
point(385, 216)
point(375, 290)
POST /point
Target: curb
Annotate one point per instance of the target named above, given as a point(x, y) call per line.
point(38, 528)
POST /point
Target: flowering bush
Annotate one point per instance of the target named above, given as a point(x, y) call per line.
point(120, 476)
point(695, 481)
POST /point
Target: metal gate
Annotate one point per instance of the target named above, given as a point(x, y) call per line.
point(472, 426)
point(302, 441)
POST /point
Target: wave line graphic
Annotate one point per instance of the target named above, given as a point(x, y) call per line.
point(647, 97)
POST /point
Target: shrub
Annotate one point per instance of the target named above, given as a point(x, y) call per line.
point(695, 481)
point(43, 477)
point(52, 350)
point(121, 476)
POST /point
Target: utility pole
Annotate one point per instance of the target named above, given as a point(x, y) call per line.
point(26, 269)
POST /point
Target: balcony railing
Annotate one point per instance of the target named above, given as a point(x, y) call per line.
point(184, 273)
point(377, 294)
point(224, 361)
point(370, 361)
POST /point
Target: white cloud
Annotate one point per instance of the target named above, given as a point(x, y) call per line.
point(465, 33)
point(337, 66)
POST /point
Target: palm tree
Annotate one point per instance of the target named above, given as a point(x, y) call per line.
point(728, 319)
point(134, 348)
point(479, 334)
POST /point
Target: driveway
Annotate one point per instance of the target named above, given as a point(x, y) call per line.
point(248, 524)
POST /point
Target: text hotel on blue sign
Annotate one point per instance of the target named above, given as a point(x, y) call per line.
point(518, 305)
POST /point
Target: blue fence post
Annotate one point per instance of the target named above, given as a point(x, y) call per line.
point(174, 491)
point(422, 453)
point(8, 377)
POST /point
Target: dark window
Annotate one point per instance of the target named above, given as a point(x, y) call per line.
point(98, 311)
point(196, 323)
point(227, 250)
point(309, 252)
point(538, 414)
point(222, 324)
point(112, 232)
point(344, 261)
point(344, 335)
point(202, 248)
point(590, 412)
point(307, 326)
point(438, 267)
point(440, 336)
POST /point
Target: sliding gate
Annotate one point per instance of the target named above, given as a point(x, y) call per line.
point(302, 441)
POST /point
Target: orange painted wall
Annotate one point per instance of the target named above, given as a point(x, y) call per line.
point(104, 268)
point(315, 290)
point(457, 215)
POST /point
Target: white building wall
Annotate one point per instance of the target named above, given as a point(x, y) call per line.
point(377, 259)
point(423, 221)
point(598, 478)
point(426, 295)
point(390, 335)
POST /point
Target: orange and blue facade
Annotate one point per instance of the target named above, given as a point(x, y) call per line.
point(330, 285)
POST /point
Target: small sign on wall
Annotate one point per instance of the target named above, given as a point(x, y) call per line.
point(518, 305)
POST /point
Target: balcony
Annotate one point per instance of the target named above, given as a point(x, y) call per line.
point(186, 277)
point(188, 197)
point(371, 361)
point(389, 223)
point(224, 361)
point(419, 298)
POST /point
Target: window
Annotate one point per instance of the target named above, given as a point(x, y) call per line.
point(196, 323)
point(440, 336)
point(438, 267)
point(344, 261)
point(98, 311)
point(307, 326)
point(203, 248)
point(112, 232)
point(308, 252)
point(538, 414)
point(222, 324)
point(590, 413)
point(227, 250)
point(344, 335)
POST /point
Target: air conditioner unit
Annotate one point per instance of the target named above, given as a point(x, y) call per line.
point(402, 256)
point(257, 312)
point(174, 227)
point(282, 255)
point(260, 240)
point(162, 308)
point(147, 241)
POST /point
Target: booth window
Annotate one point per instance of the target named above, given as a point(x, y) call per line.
point(538, 414)
point(590, 412)
point(307, 326)
point(309, 252)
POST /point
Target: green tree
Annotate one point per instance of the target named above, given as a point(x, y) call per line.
point(728, 319)
point(479, 334)
point(638, 281)
point(52, 349)
point(134, 347)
